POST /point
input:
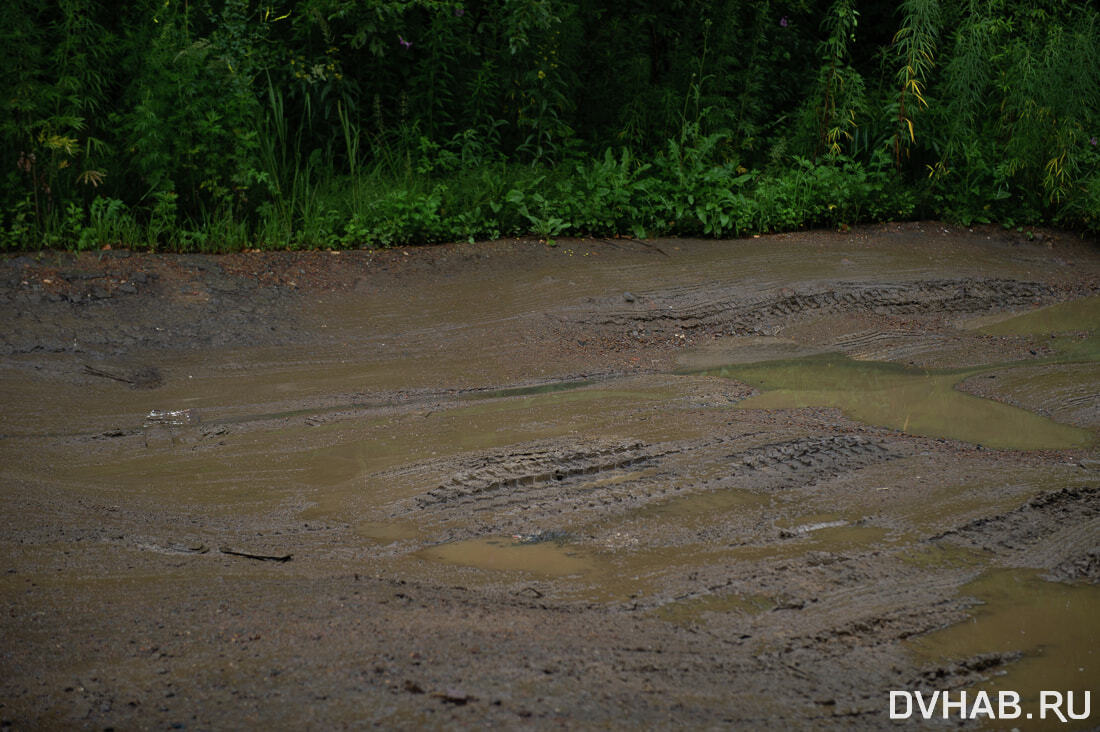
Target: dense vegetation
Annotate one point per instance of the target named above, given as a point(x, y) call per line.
point(221, 124)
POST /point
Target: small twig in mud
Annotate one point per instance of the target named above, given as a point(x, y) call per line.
point(652, 246)
point(796, 670)
point(643, 243)
point(194, 549)
point(145, 378)
point(106, 375)
point(529, 592)
point(259, 557)
point(457, 698)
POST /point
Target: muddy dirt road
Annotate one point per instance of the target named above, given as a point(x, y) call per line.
point(607, 483)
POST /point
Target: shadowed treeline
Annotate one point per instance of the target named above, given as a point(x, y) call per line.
point(223, 124)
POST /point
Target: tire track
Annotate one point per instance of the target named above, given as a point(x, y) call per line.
point(549, 486)
point(1024, 535)
point(696, 307)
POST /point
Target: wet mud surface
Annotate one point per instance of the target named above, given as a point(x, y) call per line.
point(608, 483)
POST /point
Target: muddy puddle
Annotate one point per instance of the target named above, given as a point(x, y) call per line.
point(915, 401)
point(1068, 317)
point(1048, 632)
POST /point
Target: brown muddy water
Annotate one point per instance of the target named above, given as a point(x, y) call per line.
point(603, 484)
point(913, 401)
point(1052, 627)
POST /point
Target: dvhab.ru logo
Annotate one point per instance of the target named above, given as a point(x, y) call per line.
point(1053, 705)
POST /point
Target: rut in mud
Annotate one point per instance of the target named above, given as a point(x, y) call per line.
point(710, 484)
point(542, 487)
point(713, 310)
point(1027, 535)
